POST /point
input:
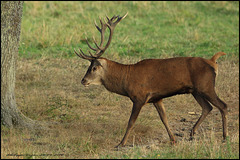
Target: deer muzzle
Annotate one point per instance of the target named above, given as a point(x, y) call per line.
point(84, 82)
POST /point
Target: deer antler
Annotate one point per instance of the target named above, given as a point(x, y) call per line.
point(111, 24)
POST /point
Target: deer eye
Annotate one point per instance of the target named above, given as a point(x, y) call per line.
point(94, 69)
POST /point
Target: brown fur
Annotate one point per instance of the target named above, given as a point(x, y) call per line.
point(151, 80)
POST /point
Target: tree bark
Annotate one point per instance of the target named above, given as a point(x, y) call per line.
point(11, 14)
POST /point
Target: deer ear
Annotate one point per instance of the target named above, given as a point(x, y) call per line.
point(103, 62)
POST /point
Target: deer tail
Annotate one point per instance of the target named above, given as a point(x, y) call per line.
point(216, 56)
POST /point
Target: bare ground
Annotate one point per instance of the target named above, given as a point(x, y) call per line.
point(92, 120)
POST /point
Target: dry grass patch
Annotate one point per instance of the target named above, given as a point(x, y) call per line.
point(91, 120)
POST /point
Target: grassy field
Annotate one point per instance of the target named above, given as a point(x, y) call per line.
point(91, 120)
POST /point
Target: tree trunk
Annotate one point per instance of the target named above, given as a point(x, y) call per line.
point(11, 13)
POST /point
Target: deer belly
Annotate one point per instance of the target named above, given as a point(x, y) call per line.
point(156, 96)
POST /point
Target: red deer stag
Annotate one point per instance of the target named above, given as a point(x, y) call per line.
point(151, 80)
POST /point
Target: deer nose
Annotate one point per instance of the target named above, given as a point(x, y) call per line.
point(83, 81)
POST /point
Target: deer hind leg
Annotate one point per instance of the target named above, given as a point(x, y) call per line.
point(162, 113)
point(206, 108)
point(216, 101)
point(135, 112)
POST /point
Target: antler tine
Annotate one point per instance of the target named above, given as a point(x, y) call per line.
point(97, 26)
point(83, 55)
point(96, 43)
point(79, 55)
point(104, 26)
point(119, 19)
point(125, 15)
point(91, 54)
point(110, 21)
point(113, 18)
point(90, 45)
point(107, 18)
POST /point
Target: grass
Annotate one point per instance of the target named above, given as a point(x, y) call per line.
point(91, 120)
point(151, 29)
point(184, 150)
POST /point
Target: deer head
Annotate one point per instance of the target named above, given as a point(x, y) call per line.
point(98, 65)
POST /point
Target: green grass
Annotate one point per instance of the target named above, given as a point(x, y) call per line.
point(151, 29)
point(189, 150)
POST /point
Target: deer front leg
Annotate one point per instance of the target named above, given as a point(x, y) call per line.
point(135, 112)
